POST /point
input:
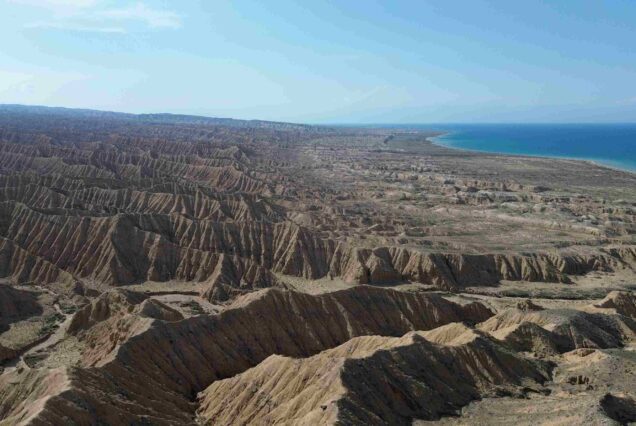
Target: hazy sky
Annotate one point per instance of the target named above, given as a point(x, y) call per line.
point(326, 61)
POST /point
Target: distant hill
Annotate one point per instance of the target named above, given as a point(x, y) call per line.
point(159, 118)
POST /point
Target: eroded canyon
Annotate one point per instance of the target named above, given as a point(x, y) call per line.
point(165, 269)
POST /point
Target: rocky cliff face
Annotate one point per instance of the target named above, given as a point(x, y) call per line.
point(451, 271)
point(125, 249)
point(132, 248)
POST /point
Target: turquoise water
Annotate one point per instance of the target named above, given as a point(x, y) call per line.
point(613, 145)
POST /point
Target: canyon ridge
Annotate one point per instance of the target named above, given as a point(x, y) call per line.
point(172, 270)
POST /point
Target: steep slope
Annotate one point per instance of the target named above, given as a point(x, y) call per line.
point(559, 330)
point(17, 304)
point(113, 305)
point(620, 302)
point(588, 387)
point(134, 367)
point(132, 248)
point(23, 396)
point(6, 354)
point(451, 271)
point(213, 223)
point(369, 380)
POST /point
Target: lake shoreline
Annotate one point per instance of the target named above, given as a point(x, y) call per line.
point(595, 162)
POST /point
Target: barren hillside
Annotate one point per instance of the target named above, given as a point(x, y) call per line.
point(162, 269)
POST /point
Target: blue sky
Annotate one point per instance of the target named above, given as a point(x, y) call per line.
point(326, 61)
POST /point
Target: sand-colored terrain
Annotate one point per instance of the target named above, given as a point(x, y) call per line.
point(182, 270)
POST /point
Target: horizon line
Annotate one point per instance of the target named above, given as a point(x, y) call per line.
point(324, 123)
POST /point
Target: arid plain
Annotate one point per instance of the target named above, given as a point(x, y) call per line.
point(163, 269)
